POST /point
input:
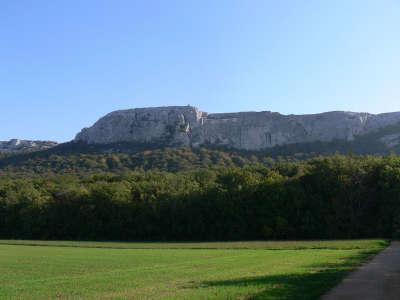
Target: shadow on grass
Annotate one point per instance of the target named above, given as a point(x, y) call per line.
point(317, 280)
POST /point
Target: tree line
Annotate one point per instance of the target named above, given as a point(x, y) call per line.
point(321, 198)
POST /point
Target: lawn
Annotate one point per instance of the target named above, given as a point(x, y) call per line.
point(232, 270)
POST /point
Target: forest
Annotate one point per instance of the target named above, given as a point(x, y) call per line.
point(218, 197)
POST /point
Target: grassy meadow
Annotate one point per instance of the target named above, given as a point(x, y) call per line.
point(217, 270)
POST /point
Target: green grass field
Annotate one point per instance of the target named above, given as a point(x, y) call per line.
point(232, 270)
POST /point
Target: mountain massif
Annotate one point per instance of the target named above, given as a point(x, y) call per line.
point(241, 134)
point(176, 173)
point(188, 126)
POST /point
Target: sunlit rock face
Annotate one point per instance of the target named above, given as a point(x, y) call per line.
point(17, 145)
point(186, 125)
point(171, 125)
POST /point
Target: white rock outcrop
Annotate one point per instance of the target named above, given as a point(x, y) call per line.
point(16, 145)
point(186, 125)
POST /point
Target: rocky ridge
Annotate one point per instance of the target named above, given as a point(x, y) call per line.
point(21, 146)
point(188, 126)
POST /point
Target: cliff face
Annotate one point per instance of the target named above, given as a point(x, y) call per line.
point(19, 146)
point(186, 125)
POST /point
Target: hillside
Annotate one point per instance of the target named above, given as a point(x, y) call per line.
point(81, 157)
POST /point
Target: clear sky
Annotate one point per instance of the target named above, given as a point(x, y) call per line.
point(64, 64)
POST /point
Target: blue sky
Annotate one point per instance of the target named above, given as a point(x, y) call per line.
point(64, 64)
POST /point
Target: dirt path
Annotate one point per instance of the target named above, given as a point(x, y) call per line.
point(379, 279)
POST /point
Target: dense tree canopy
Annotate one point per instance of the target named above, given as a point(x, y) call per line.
point(324, 197)
point(166, 159)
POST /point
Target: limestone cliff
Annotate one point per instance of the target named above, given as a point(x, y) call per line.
point(186, 125)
